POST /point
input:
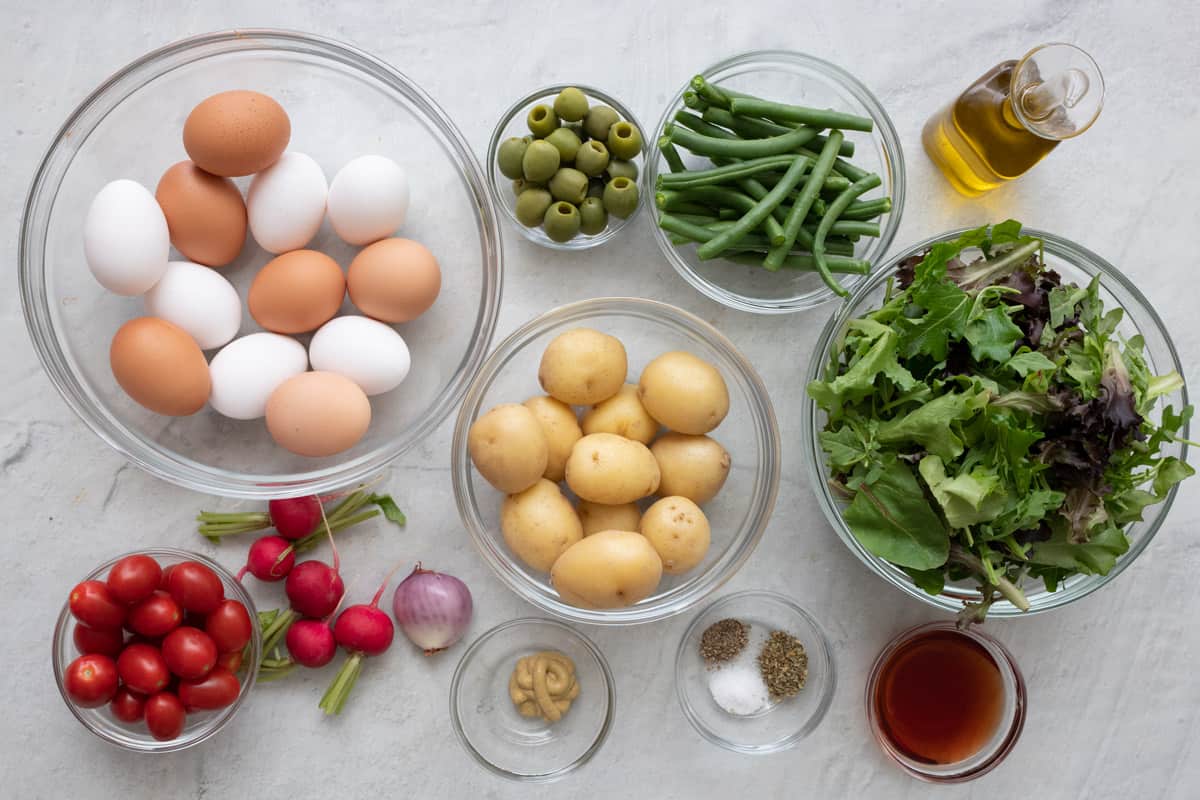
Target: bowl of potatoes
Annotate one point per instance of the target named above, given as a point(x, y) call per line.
point(616, 460)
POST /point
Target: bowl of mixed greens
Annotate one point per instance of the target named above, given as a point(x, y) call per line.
point(996, 421)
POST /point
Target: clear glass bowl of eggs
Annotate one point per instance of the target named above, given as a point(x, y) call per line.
point(260, 224)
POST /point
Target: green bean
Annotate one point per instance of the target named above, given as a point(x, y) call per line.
point(753, 128)
point(709, 93)
point(869, 209)
point(723, 197)
point(732, 214)
point(848, 227)
point(694, 101)
point(757, 215)
point(806, 263)
point(799, 210)
point(761, 244)
point(737, 148)
point(783, 112)
point(835, 208)
point(671, 156)
point(727, 173)
point(690, 120)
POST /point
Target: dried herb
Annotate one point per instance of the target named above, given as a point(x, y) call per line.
point(724, 640)
point(784, 665)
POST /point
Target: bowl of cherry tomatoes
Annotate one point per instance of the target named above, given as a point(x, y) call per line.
point(154, 651)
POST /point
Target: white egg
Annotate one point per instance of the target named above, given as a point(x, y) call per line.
point(125, 238)
point(247, 370)
point(368, 199)
point(364, 350)
point(286, 203)
point(197, 299)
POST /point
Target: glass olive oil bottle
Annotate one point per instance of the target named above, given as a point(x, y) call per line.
point(1013, 116)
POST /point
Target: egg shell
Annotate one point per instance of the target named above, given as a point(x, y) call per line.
point(368, 199)
point(198, 300)
point(318, 414)
point(367, 352)
point(286, 202)
point(394, 280)
point(296, 292)
point(205, 214)
point(160, 366)
point(236, 133)
point(247, 370)
point(125, 239)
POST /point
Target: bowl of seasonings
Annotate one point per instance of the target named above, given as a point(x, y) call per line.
point(532, 700)
point(754, 673)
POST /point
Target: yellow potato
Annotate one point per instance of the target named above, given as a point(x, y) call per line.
point(694, 467)
point(582, 367)
point(599, 517)
point(678, 531)
point(539, 524)
point(623, 415)
point(606, 468)
point(508, 448)
point(609, 569)
point(561, 429)
point(683, 392)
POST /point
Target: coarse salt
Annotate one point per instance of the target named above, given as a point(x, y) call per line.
point(739, 689)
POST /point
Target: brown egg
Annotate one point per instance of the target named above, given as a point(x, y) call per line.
point(236, 133)
point(296, 292)
point(394, 280)
point(160, 366)
point(318, 414)
point(206, 215)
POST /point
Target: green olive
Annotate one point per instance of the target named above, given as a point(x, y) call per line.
point(624, 140)
point(508, 157)
point(569, 185)
point(595, 187)
point(522, 185)
point(532, 205)
point(571, 104)
point(561, 221)
point(593, 218)
point(598, 120)
point(592, 158)
point(621, 197)
point(622, 169)
point(542, 120)
point(567, 143)
point(540, 161)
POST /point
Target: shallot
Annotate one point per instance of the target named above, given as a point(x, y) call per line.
point(433, 609)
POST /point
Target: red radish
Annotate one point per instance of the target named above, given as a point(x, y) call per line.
point(270, 559)
point(292, 517)
point(104, 641)
point(311, 643)
point(94, 605)
point(314, 588)
point(296, 517)
point(127, 705)
point(363, 630)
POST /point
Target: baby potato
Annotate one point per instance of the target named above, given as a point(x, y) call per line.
point(609, 469)
point(539, 524)
point(684, 393)
point(508, 448)
point(597, 517)
point(582, 367)
point(694, 467)
point(561, 429)
point(678, 531)
point(609, 569)
point(623, 415)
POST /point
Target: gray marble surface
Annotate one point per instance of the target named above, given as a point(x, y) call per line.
point(1112, 680)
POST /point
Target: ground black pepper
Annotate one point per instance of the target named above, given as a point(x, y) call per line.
point(724, 640)
point(784, 665)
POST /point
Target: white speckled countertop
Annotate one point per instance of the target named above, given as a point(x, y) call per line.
point(1114, 699)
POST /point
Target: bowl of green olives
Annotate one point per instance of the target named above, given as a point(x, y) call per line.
point(566, 166)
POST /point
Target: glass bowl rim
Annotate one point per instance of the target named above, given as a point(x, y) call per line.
point(610, 699)
point(176, 467)
point(888, 136)
point(766, 481)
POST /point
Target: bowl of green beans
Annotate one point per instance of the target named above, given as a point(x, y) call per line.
point(566, 166)
point(778, 182)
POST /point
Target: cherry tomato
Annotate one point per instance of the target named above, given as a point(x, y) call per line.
point(134, 578)
point(189, 652)
point(229, 626)
point(231, 661)
point(165, 716)
point(157, 615)
point(105, 641)
point(91, 680)
point(143, 669)
point(195, 587)
point(93, 604)
point(218, 690)
point(127, 705)
point(166, 575)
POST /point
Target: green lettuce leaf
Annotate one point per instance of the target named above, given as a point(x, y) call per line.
point(967, 498)
point(1029, 361)
point(931, 424)
point(892, 519)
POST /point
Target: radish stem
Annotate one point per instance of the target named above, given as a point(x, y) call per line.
point(335, 696)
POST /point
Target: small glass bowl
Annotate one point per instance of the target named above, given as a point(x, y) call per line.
point(523, 748)
point(1008, 729)
point(787, 721)
point(201, 725)
point(798, 78)
point(513, 124)
point(1075, 264)
point(738, 515)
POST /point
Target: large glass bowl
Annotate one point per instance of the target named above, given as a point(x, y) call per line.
point(801, 79)
point(738, 515)
point(200, 725)
point(342, 103)
point(1075, 264)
